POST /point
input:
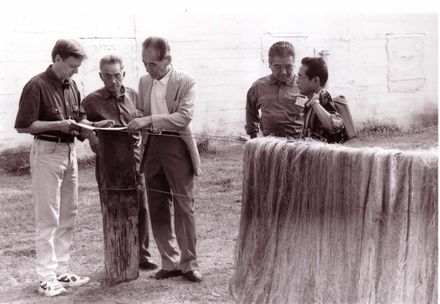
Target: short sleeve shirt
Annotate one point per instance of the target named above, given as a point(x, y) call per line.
point(47, 98)
point(314, 127)
point(101, 105)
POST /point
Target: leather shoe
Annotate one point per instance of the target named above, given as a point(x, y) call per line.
point(165, 274)
point(193, 276)
point(147, 265)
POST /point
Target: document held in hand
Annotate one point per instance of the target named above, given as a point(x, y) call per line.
point(96, 128)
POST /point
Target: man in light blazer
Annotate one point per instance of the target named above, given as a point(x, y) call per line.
point(170, 158)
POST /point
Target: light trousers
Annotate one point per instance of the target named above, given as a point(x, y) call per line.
point(54, 171)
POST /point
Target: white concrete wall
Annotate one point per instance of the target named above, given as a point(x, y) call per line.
point(386, 65)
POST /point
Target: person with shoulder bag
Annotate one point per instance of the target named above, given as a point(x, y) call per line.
point(322, 120)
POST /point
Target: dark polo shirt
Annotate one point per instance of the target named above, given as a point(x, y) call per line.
point(45, 97)
point(280, 116)
point(101, 105)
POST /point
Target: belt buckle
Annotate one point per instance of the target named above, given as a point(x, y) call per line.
point(156, 131)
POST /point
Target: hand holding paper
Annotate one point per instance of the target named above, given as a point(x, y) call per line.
point(139, 123)
point(68, 126)
point(104, 123)
point(100, 125)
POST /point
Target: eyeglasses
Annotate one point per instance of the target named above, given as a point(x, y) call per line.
point(112, 76)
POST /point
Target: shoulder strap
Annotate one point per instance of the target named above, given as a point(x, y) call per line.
point(308, 121)
point(343, 109)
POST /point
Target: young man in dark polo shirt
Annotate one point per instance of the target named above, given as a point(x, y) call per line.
point(49, 106)
point(272, 103)
point(321, 120)
point(118, 103)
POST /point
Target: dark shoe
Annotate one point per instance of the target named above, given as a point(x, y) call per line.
point(147, 265)
point(193, 276)
point(165, 274)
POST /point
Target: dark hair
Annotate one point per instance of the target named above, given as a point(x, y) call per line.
point(111, 59)
point(159, 44)
point(68, 48)
point(281, 49)
point(316, 66)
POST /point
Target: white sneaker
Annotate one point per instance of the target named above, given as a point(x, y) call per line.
point(51, 288)
point(72, 280)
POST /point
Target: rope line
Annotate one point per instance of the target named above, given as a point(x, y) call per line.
point(195, 135)
point(147, 189)
point(168, 192)
point(151, 132)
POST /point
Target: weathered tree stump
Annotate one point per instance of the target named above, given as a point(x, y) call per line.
point(116, 175)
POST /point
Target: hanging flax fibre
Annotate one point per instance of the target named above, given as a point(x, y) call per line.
point(333, 224)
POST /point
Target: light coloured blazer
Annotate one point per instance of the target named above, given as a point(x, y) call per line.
point(180, 97)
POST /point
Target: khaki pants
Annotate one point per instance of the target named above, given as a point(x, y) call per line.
point(54, 172)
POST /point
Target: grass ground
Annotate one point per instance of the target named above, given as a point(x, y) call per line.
point(217, 209)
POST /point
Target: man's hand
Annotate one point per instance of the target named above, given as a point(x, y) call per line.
point(313, 101)
point(107, 123)
point(139, 113)
point(140, 123)
point(66, 126)
point(94, 143)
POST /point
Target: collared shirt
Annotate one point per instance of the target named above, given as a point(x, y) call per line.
point(47, 98)
point(280, 116)
point(314, 128)
point(102, 104)
point(158, 91)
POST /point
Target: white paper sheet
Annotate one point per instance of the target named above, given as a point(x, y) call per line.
point(96, 128)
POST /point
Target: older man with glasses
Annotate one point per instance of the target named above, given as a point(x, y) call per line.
point(117, 102)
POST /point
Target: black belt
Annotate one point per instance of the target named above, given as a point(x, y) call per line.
point(171, 133)
point(159, 132)
point(57, 139)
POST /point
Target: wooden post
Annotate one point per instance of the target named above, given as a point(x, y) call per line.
point(116, 174)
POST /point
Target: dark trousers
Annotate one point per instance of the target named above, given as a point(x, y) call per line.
point(168, 168)
point(143, 221)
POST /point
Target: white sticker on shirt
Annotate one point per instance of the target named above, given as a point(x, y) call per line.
point(301, 101)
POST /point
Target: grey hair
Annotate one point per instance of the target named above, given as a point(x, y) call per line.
point(111, 59)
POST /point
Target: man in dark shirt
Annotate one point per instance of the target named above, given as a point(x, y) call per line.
point(118, 103)
point(276, 97)
point(321, 120)
point(49, 107)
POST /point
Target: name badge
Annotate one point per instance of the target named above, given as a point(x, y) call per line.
point(301, 101)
